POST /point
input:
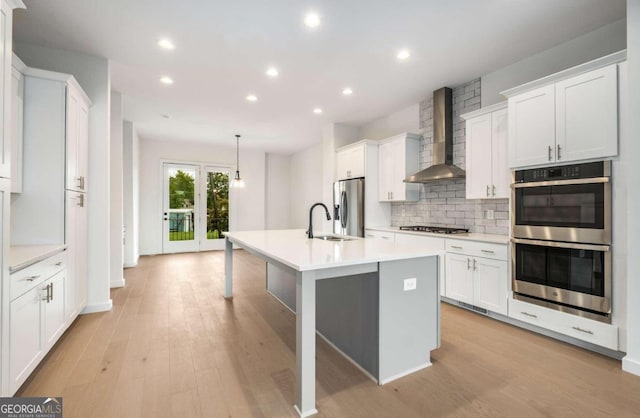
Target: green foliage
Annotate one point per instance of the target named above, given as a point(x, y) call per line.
point(181, 190)
point(217, 204)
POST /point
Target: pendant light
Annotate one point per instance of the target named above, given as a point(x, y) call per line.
point(237, 182)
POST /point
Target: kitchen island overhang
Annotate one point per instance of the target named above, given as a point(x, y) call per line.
point(360, 296)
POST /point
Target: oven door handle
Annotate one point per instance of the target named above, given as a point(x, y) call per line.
point(562, 182)
point(575, 246)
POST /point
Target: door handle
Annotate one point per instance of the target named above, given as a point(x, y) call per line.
point(468, 263)
point(475, 264)
point(550, 153)
point(493, 190)
point(487, 190)
point(558, 152)
point(345, 209)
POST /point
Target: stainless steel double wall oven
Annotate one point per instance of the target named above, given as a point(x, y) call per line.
point(561, 229)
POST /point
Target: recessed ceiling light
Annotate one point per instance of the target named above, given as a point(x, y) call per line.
point(312, 20)
point(165, 43)
point(347, 91)
point(166, 80)
point(317, 111)
point(252, 98)
point(272, 72)
point(403, 54)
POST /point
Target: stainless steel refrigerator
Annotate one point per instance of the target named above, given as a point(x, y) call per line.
point(348, 207)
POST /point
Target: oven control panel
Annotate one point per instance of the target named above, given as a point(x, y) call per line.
point(565, 172)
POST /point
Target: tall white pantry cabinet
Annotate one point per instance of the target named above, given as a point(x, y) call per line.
point(6, 45)
point(50, 210)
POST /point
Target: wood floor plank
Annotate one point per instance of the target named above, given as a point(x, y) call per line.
point(174, 347)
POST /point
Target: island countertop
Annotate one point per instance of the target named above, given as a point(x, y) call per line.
point(292, 248)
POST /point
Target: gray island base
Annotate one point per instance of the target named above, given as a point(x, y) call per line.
point(358, 295)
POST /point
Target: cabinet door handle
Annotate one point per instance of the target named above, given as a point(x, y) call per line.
point(32, 278)
point(51, 293)
point(47, 297)
point(529, 314)
point(493, 190)
point(550, 153)
point(391, 195)
point(586, 331)
point(475, 264)
point(81, 200)
point(468, 263)
point(558, 152)
point(487, 190)
point(488, 251)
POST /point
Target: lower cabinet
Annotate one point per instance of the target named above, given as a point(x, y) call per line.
point(476, 280)
point(36, 318)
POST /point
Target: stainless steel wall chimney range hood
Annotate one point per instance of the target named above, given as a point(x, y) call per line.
point(442, 166)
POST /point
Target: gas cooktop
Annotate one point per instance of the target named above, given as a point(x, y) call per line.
point(434, 229)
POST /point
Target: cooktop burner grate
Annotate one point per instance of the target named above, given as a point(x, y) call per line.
point(434, 229)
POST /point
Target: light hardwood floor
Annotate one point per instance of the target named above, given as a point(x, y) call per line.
point(173, 347)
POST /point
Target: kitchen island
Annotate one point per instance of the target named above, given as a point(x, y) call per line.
point(379, 297)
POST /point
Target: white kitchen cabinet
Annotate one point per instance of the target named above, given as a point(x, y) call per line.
point(488, 174)
point(17, 123)
point(77, 138)
point(477, 274)
point(350, 161)
point(570, 118)
point(595, 332)
point(25, 336)
point(398, 157)
point(76, 240)
point(37, 315)
point(587, 115)
point(5, 288)
point(384, 235)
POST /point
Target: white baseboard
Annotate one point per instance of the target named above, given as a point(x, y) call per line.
point(631, 365)
point(130, 265)
point(403, 374)
point(116, 283)
point(98, 307)
point(305, 414)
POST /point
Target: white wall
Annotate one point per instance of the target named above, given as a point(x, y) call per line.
point(277, 191)
point(403, 120)
point(345, 134)
point(248, 204)
point(306, 187)
point(131, 193)
point(93, 75)
point(117, 249)
point(631, 362)
point(600, 42)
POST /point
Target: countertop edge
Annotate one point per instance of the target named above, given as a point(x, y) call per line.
point(47, 251)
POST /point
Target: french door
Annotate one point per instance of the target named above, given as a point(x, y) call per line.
point(196, 207)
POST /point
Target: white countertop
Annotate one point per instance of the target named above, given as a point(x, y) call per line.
point(472, 236)
point(292, 248)
point(21, 256)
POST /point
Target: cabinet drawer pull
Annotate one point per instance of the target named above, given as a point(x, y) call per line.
point(456, 247)
point(488, 251)
point(59, 263)
point(32, 278)
point(586, 331)
point(529, 314)
point(383, 237)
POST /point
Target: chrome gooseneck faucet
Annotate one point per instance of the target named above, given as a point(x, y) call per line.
point(310, 230)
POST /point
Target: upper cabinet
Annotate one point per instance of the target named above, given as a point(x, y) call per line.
point(350, 161)
point(398, 157)
point(486, 153)
point(17, 122)
point(569, 116)
point(77, 138)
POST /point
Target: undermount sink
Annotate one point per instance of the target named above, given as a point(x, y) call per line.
point(332, 238)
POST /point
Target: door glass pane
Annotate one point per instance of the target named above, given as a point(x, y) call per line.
point(217, 204)
point(181, 203)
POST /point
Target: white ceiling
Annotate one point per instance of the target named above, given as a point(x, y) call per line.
point(223, 49)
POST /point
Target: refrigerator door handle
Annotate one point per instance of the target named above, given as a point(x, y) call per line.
point(344, 208)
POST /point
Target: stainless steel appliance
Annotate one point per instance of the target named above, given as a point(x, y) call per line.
point(561, 229)
point(434, 229)
point(569, 203)
point(348, 205)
